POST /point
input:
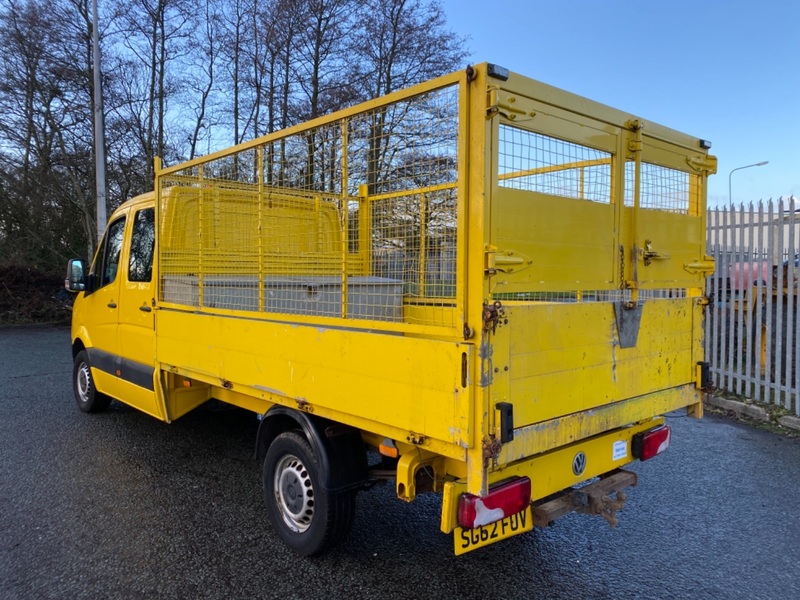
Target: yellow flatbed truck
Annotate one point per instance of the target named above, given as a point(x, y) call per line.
point(481, 286)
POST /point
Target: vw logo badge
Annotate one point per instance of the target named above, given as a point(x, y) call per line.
point(579, 463)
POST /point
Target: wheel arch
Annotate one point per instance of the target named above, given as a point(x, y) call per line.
point(339, 448)
point(77, 346)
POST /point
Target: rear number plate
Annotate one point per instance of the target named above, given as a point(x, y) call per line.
point(467, 540)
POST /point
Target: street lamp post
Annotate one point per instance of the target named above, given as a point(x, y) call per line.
point(758, 164)
point(99, 129)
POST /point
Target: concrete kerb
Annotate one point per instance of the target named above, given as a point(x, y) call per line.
point(789, 421)
point(752, 411)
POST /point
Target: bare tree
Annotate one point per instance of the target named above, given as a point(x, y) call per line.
point(180, 72)
point(238, 34)
point(156, 32)
point(322, 64)
point(400, 43)
point(43, 96)
point(323, 55)
point(205, 47)
point(25, 44)
point(403, 42)
point(280, 25)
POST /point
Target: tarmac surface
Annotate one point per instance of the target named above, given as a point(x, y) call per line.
point(119, 505)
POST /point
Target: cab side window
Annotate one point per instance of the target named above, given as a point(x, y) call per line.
point(111, 252)
point(140, 265)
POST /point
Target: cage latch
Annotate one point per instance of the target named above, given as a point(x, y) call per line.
point(493, 315)
point(649, 255)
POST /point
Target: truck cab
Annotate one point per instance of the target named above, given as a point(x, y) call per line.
point(113, 317)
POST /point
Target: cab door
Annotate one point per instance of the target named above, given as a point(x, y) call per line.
point(102, 307)
point(136, 325)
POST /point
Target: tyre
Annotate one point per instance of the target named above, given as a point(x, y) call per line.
point(307, 518)
point(89, 400)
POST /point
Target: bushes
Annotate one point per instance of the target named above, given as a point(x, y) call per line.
point(28, 295)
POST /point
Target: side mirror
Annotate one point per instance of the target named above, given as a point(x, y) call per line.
point(76, 275)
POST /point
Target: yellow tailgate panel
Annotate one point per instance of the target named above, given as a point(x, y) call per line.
point(565, 358)
point(565, 244)
point(679, 239)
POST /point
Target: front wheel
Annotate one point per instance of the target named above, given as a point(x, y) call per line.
point(89, 400)
point(307, 518)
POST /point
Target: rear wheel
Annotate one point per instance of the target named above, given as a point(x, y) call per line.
point(89, 400)
point(308, 518)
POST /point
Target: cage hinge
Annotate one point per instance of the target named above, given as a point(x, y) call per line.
point(635, 144)
point(703, 164)
point(504, 261)
point(704, 266)
point(506, 104)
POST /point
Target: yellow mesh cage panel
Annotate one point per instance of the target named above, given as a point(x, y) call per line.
point(355, 218)
point(540, 163)
point(662, 188)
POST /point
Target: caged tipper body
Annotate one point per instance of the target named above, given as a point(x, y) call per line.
point(481, 286)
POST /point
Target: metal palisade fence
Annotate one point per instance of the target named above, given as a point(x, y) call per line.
point(752, 324)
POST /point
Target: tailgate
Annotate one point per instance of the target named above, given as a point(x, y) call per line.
point(597, 263)
point(566, 358)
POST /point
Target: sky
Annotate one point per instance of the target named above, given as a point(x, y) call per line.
point(724, 71)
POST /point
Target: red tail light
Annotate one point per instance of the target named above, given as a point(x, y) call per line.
point(651, 443)
point(502, 501)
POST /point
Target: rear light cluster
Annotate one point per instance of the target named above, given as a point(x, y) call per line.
point(503, 500)
point(651, 443)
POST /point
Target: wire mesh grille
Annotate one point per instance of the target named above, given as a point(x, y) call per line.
point(414, 240)
point(407, 145)
point(355, 218)
point(593, 296)
point(539, 163)
point(660, 188)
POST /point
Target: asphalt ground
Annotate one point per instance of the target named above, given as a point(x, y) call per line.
point(119, 505)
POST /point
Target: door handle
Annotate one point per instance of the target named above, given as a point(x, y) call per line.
point(112, 305)
point(145, 308)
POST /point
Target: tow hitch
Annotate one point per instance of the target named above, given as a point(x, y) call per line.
point(604, 497)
